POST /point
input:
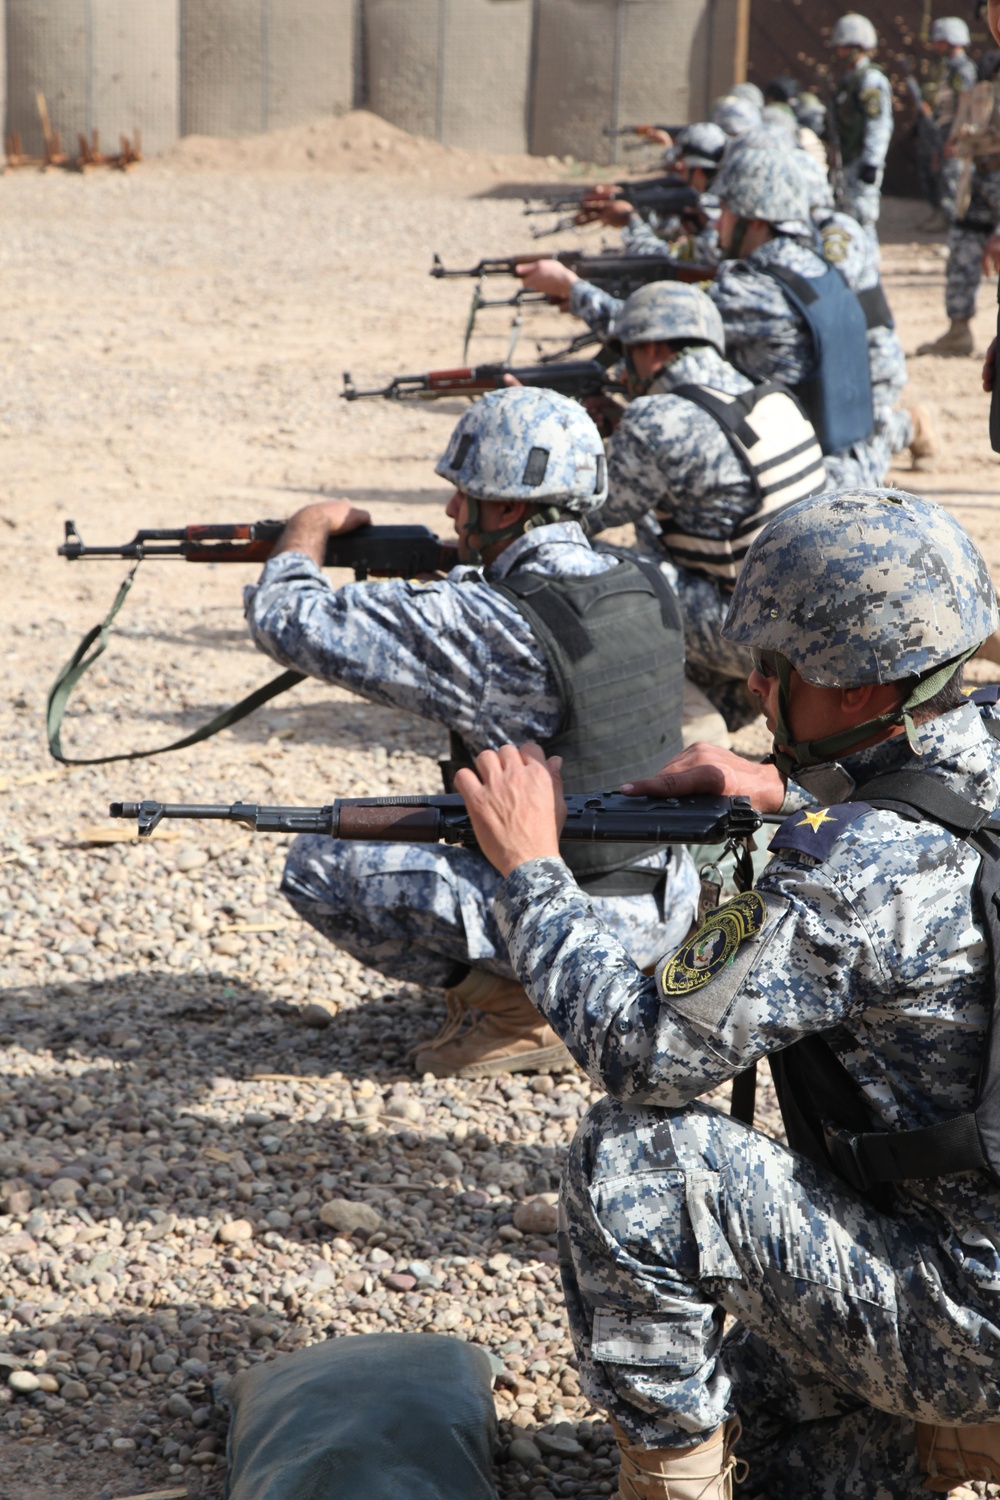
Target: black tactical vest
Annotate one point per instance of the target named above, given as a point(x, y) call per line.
point(824, 1109)
point(615, 643)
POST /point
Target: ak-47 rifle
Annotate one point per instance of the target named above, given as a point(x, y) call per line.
point(618, 275)
point(371, 551)
point(605, 817)
point(662, 196)
point(578, 378)
point(834, 150)
point(613, 130)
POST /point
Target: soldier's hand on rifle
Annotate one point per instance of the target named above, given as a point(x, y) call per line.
point(990, 367)
point(550, 277)
point(602, 207)
point(310, 527)
point(708, 769)
point(991, 255)
point(515, 803)
point(655, 134)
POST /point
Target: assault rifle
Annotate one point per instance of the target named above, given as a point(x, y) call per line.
point(372, 551)
point(601, 817)
point(660, 196)
point(613, 130)
point(617, 274)
point(573, 377)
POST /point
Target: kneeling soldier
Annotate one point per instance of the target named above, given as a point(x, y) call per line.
point(862, 1266)
point(548, 640)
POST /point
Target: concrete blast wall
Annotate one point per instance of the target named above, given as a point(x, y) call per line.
point(619, 62)
point(109, 65)
point(253, 65)
point(455, 70)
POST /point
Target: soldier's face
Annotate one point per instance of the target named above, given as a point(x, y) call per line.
point(813, 712)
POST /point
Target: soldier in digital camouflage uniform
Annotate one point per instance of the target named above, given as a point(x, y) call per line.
point(697, 149)
point(859, 1313)
point(954, 73)
point(462, 653)
point(973, 243)
point(767, 338)
point(862, 110)
point(689, 487)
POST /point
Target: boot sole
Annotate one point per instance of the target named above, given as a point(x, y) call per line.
point(544, 1060)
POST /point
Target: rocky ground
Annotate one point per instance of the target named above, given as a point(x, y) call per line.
point(212, 1146)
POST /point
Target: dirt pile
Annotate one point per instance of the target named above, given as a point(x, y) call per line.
point(355, 142)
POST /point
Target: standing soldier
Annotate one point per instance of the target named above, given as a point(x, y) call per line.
point(974, 238)
point(953, 74)
point(861, 121)
point(536, 635)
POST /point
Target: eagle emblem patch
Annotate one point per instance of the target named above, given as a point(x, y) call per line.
point(714, 946)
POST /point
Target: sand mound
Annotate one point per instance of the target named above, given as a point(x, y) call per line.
point(355, 142)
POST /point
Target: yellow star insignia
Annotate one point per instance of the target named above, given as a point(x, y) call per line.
point(815, 820)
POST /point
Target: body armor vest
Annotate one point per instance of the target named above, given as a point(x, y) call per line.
point(778, 448)
point(838, 398)
point(615, 643)
point(824, 1109)
point(851, 115)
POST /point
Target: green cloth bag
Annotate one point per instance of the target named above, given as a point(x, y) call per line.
point(381, 1416)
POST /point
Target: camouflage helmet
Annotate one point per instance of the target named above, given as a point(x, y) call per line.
point(853, 30)
point(735, 115)
point(855, 587)
point(810, 111)
point(701, 145)
point(950, 29)
point(748, 91)
point(760, 182)
point(670, 310)
point(523, 443)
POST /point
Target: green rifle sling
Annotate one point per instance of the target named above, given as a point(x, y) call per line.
point(83, 659)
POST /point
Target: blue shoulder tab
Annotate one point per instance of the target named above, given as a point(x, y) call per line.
point(816, 830)
point(985, 697)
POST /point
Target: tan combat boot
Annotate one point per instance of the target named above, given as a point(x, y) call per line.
point(956, 342)
point(924, 442)
point(492, 1027)
point(704, 1472)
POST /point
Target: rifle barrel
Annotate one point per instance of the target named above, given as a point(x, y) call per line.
point(604, 817)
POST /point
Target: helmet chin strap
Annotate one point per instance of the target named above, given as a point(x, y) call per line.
point(734, 249)
point(789, 755)
point(544, 517)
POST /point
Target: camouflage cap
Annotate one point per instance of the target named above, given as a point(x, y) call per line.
point(762, 182)
point(523, 443)
point(853, 30)
point(863, 586)
point(670, 310)
point(950, 29)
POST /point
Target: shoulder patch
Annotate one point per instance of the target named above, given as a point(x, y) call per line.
point(713, 947)
point(816, 831)
point(703, 976)
point(871, 102)
point(985, 697)
point(836, 244)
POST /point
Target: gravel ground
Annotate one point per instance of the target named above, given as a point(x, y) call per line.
point(212, 1146)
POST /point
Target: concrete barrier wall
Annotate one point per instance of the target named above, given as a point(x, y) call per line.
point(108, 65)
point(253, 65)
point(455, 70)
point(620, 62)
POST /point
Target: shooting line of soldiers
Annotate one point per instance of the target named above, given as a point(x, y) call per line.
point(814, 1319)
